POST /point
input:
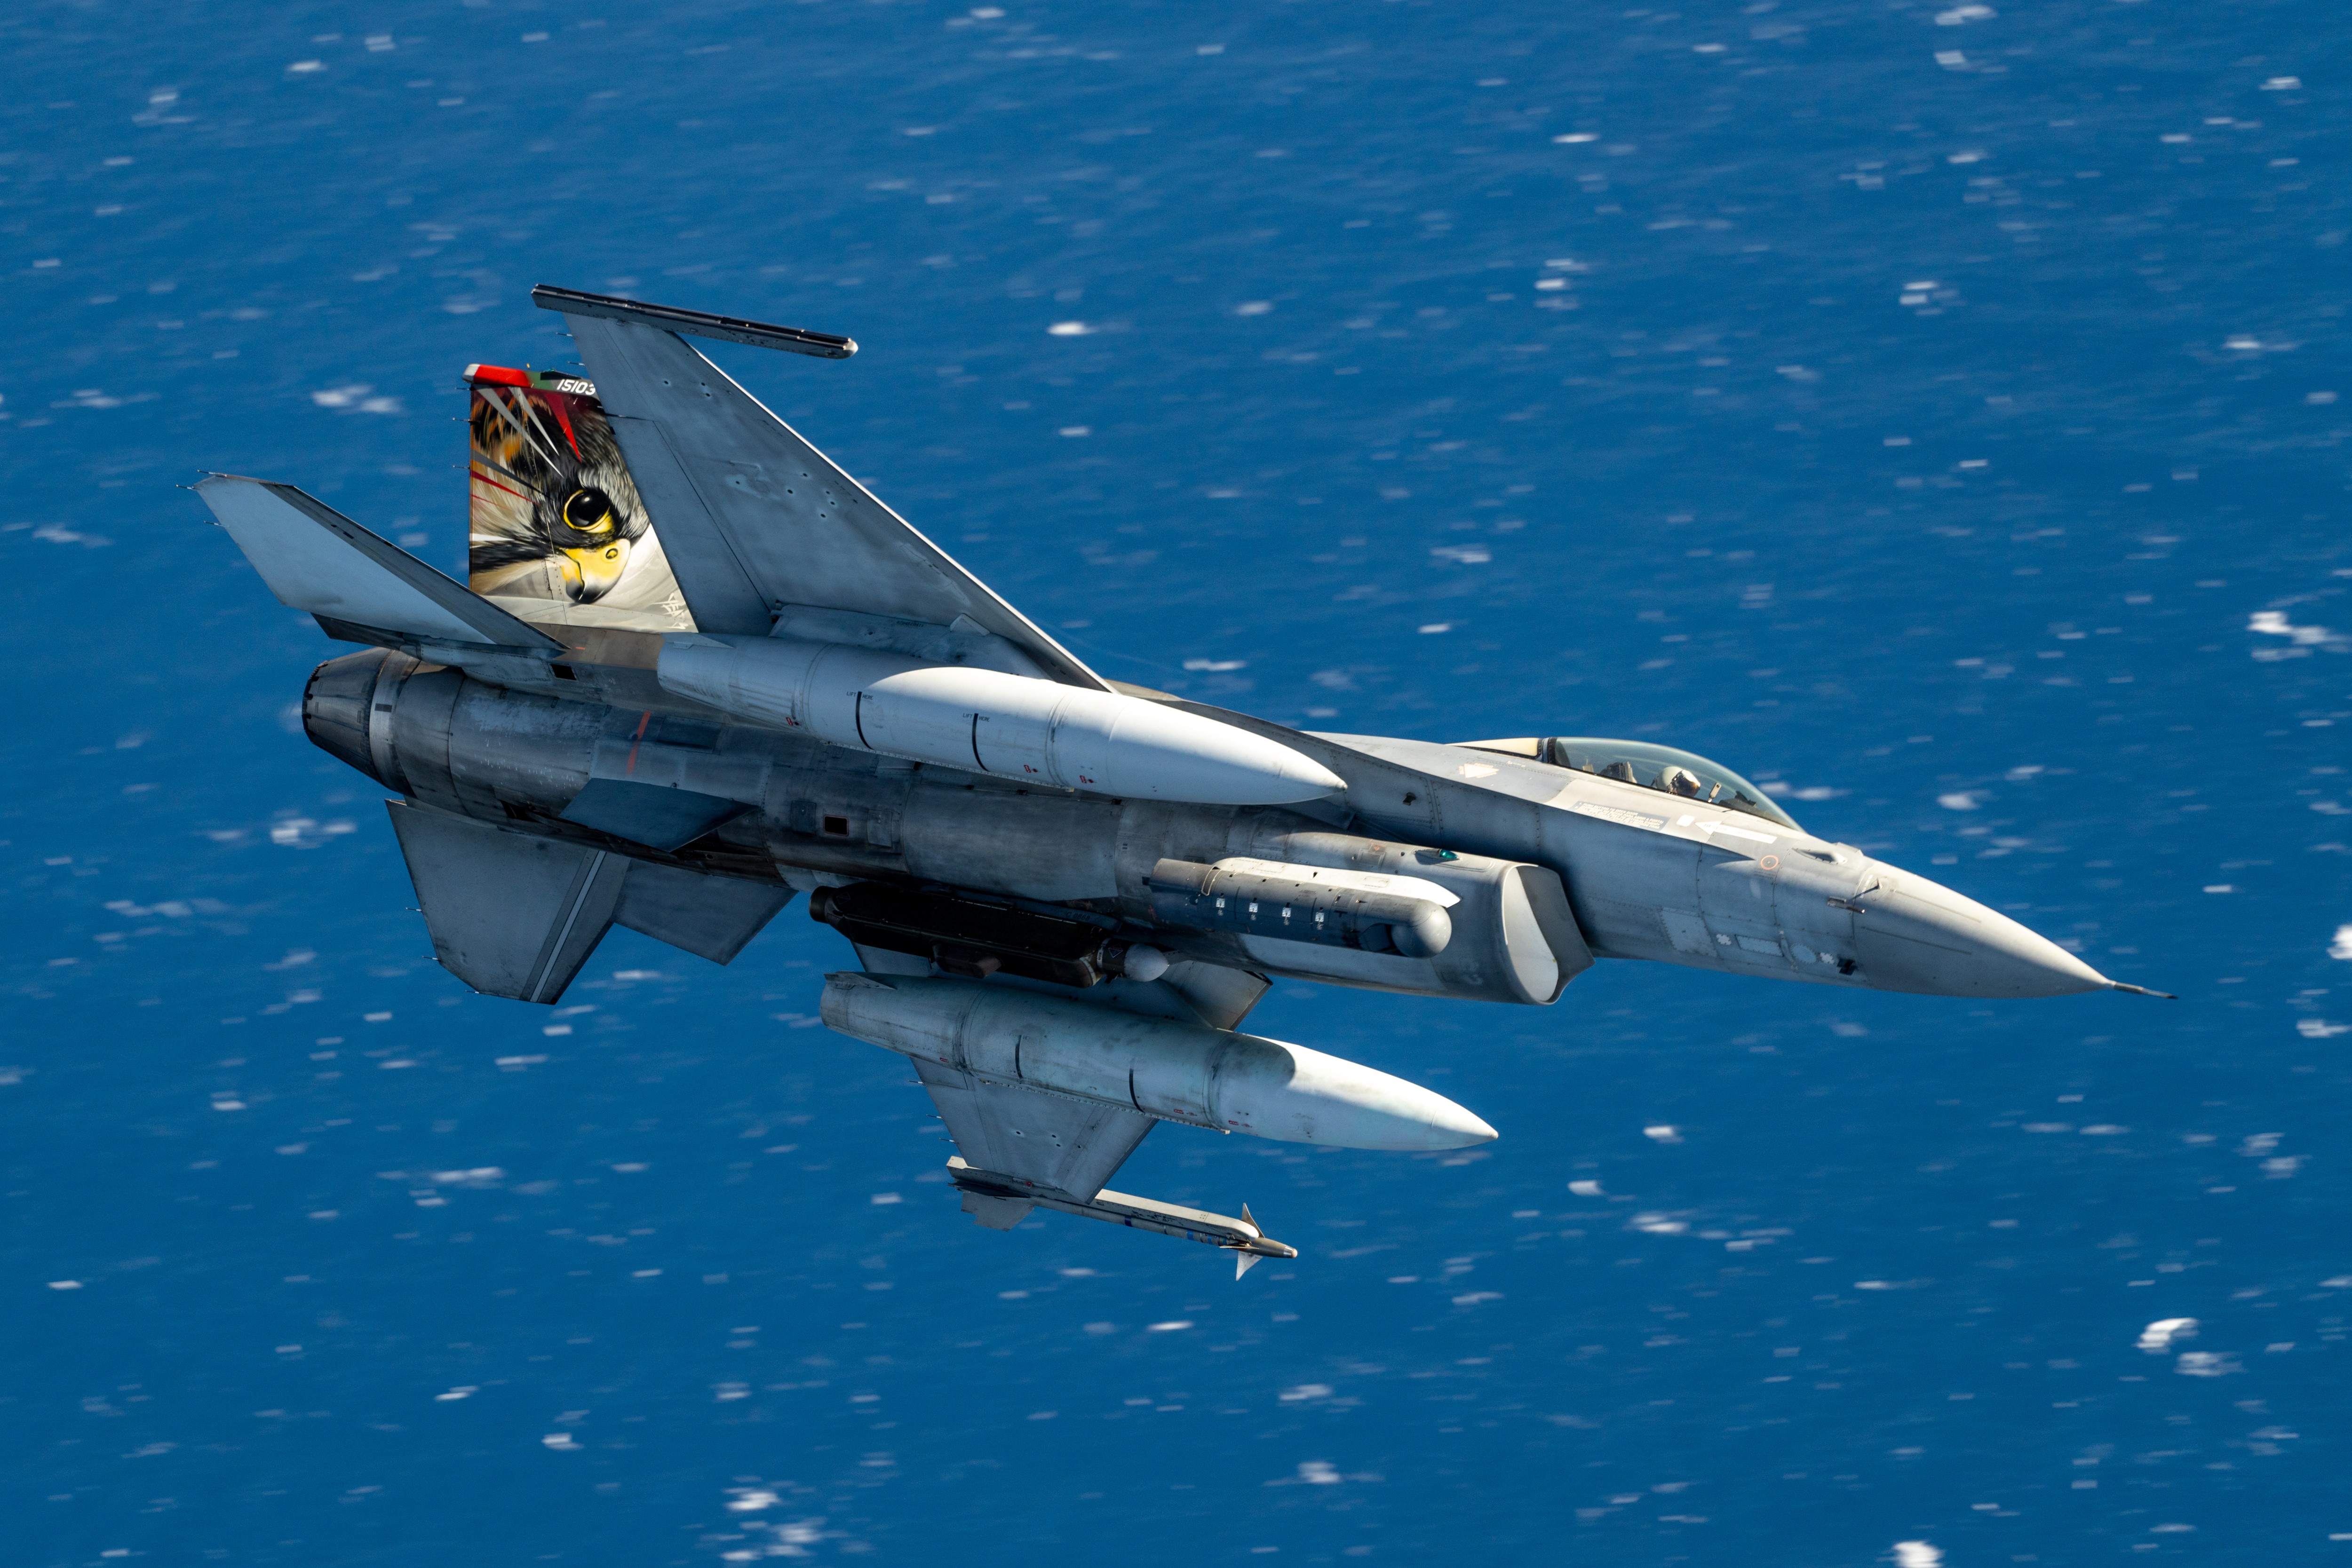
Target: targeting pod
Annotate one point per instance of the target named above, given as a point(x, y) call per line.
point(1368, 911)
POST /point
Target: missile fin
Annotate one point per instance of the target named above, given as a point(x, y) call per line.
point(1243, 1262)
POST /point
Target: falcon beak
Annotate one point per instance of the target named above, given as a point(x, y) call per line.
point(589, 573)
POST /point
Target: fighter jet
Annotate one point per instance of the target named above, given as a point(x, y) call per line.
point(700, 669)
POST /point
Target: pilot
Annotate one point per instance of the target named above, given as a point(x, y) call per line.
point(1681, 781)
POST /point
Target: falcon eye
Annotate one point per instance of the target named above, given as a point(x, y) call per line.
point(588, 509)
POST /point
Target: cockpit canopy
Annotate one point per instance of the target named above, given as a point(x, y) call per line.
point(1683, 773)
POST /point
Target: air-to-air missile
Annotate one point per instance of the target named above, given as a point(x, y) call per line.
point(699, 669)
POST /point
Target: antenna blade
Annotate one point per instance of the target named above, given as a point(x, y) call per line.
point(694, 323)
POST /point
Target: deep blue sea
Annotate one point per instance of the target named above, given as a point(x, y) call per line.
point(1938, 410)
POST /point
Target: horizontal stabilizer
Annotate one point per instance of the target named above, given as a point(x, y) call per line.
point(509, 914)
point(709, 916)
point(516, 915)
point(315, 559)
point(650, 814)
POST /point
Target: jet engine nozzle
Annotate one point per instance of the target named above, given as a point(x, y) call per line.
point(347, 711)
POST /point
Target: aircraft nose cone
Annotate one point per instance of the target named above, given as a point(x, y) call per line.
point(1913, 935)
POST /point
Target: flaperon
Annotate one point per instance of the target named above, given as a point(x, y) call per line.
point(700, 669)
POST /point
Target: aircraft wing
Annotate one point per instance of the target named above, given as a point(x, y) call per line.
point(752, 517)
point(1020, 1148)
point(516, 915)
point(1036, 1140)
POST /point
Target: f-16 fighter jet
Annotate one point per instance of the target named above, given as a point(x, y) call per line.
point(700, 669)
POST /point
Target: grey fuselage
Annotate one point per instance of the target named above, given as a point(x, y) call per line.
point(1646, 874)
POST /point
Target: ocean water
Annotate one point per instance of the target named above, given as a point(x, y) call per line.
point(1933, 409)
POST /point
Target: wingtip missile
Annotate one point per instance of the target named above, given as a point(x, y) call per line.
point(1240, 1237)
